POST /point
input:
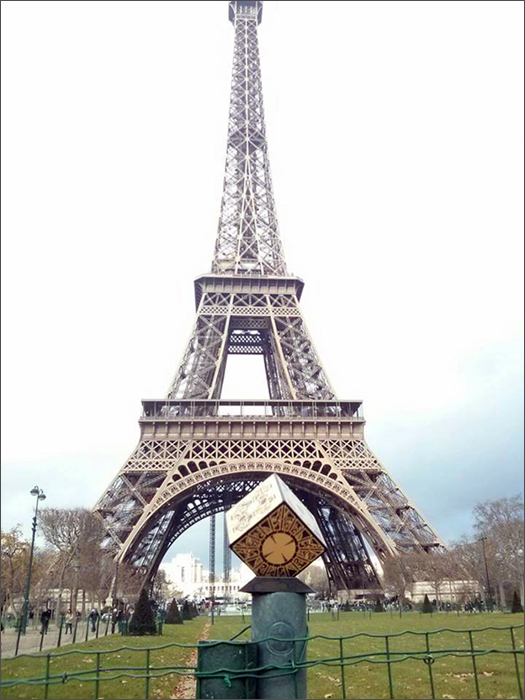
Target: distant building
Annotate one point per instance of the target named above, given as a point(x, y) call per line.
point(186, 574)
point(449, 591)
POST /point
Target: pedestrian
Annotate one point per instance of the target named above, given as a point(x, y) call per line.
point(113, 620)
point(44, 619)
point(93, 616)
point(69, 622)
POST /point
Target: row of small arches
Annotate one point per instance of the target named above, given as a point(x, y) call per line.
point(193, 467)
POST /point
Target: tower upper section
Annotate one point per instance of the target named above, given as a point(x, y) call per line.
point(248, 241)
point(245, 7)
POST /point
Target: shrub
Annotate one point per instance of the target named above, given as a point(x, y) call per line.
point(143, 621)
point(517, 607)
point(378, 607)
point(186, 612)
point(173, 616)
point(427, 605)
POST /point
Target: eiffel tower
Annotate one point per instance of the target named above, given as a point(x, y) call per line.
point(198, 453)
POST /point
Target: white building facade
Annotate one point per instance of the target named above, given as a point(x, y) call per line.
point(186, 574)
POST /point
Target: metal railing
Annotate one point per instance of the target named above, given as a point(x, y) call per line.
point(388, 657)
point(175, 409)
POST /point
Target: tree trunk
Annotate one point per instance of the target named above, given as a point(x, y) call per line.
point(83, 603)
point(502, 601)
point(61, 590)
point(522, 596)
point(437, 586)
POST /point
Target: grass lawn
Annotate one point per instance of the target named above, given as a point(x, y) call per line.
point(31, 667)
point(453, 678)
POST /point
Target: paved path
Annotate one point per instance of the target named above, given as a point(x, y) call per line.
point(186, 686)
point(30, 642)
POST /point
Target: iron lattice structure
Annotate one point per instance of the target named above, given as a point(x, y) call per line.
point(199, 454)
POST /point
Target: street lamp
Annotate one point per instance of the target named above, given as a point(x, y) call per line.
point(489, 594)
point(40, 496)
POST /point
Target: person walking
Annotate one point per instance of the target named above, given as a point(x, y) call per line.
point(93, 616)
point(69, 622)
point(44, 619)
point(113, 620)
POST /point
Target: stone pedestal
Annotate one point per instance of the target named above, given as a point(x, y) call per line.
point(279, 611)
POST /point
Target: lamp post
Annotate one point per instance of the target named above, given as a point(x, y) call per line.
point(489, 595)
point(40, 496)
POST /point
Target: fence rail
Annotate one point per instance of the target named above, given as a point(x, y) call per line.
point(388, 657)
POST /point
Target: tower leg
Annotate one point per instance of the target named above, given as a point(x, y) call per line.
point(226, 561)
point(212, 568)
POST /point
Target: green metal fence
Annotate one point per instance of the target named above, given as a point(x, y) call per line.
point(146, 670)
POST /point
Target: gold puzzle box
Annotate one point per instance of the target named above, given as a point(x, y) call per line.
point(272, 532)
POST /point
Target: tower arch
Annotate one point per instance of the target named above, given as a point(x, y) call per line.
point(192, 498)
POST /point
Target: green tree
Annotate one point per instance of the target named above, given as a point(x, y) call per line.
point(143, 620)
point(186, 612)
point(173, 616)
point(517, 607)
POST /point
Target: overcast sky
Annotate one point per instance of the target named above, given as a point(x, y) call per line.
point(396, 142)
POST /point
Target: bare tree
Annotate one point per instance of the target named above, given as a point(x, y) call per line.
point(398, 573)
point(14, 563)
point(161, 586)
point(75, 534)
point(315, 577)
point(500, 523)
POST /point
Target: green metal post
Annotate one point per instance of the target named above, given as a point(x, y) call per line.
point(46, 690)
point(296, 685)
point(343, 680)
point(279, 615)
point(518, 677)
point(432, 690)
point(60, 632)
point(390, 682)
point(246, 686)
point(478, 696)
point(238, 657)
point(97, 682)
point(147, 674)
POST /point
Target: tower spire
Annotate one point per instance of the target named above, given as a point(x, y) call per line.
point(248, 240)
